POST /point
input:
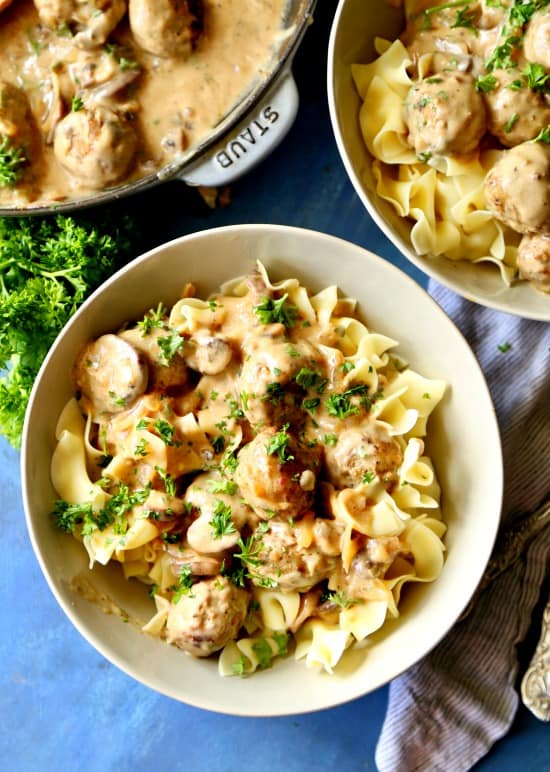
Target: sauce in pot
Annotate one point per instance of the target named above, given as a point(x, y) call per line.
point(109, 111)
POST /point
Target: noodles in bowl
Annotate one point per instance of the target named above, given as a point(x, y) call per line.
point(391, 396)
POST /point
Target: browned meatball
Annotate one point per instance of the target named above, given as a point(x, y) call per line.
point(514, 115)
point(166, 27)
point(208, 617)
point(110, 374)
point(282, 563)
point(365, 450)
point(91, 22)
point(268, 378)
point(536, 44)
point(534, 261)
point(517, 188)
point(445, 114)
point(96, 145)
point(277, 475)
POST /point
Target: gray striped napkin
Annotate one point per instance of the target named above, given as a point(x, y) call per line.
point(447, 711)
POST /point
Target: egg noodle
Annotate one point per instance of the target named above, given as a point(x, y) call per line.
point(266, 477)
point(442, 191)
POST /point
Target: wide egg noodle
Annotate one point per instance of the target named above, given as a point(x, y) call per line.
point(69, 472)
point(277, 609)
point(321, 644)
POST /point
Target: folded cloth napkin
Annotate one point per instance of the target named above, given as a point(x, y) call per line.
point(448, 710)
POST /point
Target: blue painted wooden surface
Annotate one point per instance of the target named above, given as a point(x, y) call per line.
point(62, 706)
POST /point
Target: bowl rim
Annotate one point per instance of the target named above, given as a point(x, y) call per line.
point(422, 262)
point(94, 638)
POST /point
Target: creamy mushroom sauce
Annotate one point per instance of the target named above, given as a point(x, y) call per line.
point(173, 102)
point(235, 459)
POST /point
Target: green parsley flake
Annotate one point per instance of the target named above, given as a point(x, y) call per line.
point(278, 445)
point(279, 311)
point(222, 522)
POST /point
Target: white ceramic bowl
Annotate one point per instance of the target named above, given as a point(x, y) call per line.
point(356, 24)
point(465, 440)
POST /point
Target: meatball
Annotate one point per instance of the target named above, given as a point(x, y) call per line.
point(514, 115)
point(536, 44)
point(277, 475)
point(110, 374)
point(534, 261)
point(164, 373)
point(445, 114)
point(286, 565)
point(91, 22)
point(268, 378)
point(364, 450)
point(96, 145)
point(517, 188)
point(166, 27)
point(208, 617)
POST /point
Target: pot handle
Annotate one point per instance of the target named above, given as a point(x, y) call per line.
point(252, 140)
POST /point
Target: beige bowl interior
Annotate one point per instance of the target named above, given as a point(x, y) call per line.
point(465, 440)
point(356, 24)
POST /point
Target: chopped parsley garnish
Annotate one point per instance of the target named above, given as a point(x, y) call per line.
point(502, 57)
point(249, 551)
point(341, 405)
point(169, 346)
point(218, 443)
point(278, 445)
point(511, 122)
point(184, 585)
point(330, 439)
point(486, 83)
point(310, 379)
point(504, 347)
point(543, 135)
point(142, 448)
point(270, 311)
point(77, 104)
point(229, 462)
point(235, 410)
point(222, 486)
point(537, 77)
point(165, 431)
point(222, 522)
point(424, 157)
point(274, 393)
point(368, 477)
point(311, 404)
point(346, 367)
point(340, 598)
point(239, 667)
point(167, 479)
point(153, 318)
point(68, 516)
point(465, 18)
point(12, 161)
point(264, 652)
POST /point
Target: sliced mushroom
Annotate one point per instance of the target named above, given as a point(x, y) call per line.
point(199, 565)
point(110, 374)
point(209, 355)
